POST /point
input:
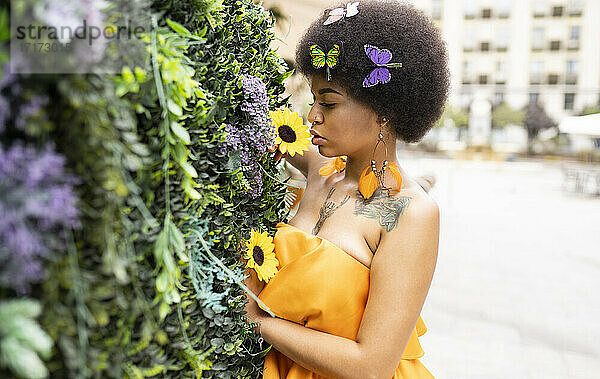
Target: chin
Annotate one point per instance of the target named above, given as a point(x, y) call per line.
point(325, 153)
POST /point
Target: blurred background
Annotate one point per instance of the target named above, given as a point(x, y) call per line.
point(517, 161)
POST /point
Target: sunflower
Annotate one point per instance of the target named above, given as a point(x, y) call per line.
point(260, 255)
point(291, 135)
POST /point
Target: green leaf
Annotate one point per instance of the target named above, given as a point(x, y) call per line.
point(178, 28)
point(161, 245)
point(23, 306)
point(31, 335)
point(189, 169)
point(280, 79)
point(163, 310)
point(187, 185)
point(127, 75)
point(178, 242)
point(174, 108)
point(180, 132)
point(22, 361)
point(162, 282)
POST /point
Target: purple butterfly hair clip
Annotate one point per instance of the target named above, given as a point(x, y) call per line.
point(380, 74)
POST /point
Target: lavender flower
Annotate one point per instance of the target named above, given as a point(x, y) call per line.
point(30, 109)
point(37, 205)
point(253, 137)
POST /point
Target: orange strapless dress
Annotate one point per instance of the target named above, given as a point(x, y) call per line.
point(322, 287)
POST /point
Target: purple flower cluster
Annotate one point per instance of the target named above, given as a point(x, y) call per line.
point(30, 109)
point(37, 205)
point(253, 137)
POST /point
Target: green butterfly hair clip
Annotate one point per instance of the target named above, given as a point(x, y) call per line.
point(319, 59)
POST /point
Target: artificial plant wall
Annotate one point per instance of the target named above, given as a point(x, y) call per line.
point(124, 199)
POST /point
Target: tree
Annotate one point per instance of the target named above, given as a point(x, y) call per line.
point(536, 120)
point(504, 115)
point(590, 109)
point(458, 115)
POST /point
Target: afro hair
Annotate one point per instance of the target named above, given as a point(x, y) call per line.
point(413, 100)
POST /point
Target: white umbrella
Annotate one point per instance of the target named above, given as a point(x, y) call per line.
point(582, 125)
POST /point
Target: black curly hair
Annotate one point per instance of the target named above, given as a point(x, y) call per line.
point(413, 100)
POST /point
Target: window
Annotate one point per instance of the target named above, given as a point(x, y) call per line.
point(572, 67)
point(571, 74)
point(470, 9)
point(539, 8)
point(436, 9)
point(554, 45)
point(465, 100)
point(569, 101)
point(534, 97)
point(486, 13)
point(504, 8)
point(537, 40)
point(499, 98)
point(574, 32)
point(467, 74)
point(469, 38)
point(502, 37)
point(575, 7)
point(483, 79)
point(557, 11)
point(536, 69)
point(552, 79)
point(485, 46)
point(500, 72)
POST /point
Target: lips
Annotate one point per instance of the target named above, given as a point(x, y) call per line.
point(314, 133)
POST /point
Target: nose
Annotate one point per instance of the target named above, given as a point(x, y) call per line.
point(314, 116)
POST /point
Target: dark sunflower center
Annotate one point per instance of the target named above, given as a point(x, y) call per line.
point(287, 134)
point(258, 255)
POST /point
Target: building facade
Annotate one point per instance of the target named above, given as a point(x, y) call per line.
point(521, 51)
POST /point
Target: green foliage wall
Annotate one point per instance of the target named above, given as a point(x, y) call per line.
point(148, 285)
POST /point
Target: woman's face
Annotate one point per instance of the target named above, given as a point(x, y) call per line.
point(347, 127)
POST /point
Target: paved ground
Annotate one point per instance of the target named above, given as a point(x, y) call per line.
point(516, 291)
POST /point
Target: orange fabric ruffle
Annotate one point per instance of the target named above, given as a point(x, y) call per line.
point(312, 289)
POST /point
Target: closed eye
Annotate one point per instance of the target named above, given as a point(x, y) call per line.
point(323, 104)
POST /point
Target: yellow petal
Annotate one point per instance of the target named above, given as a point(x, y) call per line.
point(277, 118)
point(396, 173)
point(367, 184)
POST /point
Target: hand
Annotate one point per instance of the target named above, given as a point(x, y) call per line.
point(278, 153)
point(254, 313)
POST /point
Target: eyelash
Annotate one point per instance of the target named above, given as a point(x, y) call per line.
point(323, 104)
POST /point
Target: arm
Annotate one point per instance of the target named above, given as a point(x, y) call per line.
point(401, 273)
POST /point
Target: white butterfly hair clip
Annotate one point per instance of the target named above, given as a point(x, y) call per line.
point(339, 13)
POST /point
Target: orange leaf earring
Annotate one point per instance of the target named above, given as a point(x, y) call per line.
point(371, 178)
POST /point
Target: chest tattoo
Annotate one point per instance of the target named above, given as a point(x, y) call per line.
point(387, 210)
point(327, 209)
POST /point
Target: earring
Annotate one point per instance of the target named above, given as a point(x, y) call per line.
point(371, 178)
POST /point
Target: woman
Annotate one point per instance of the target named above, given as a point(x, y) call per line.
point(357, 259)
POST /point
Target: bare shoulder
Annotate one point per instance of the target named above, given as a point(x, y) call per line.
point(396, 211)
point(416, 230)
